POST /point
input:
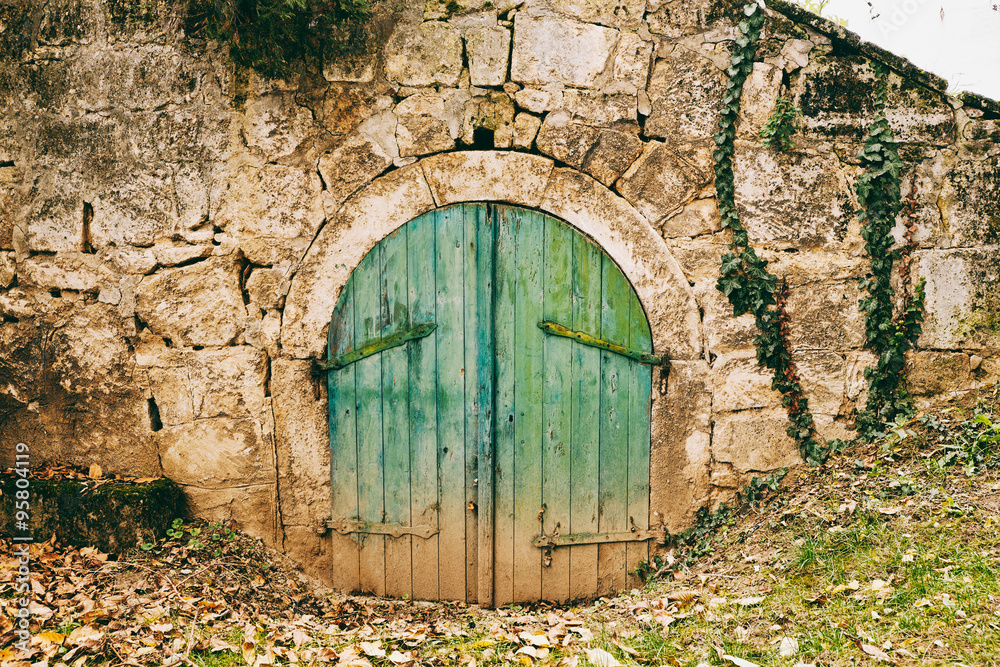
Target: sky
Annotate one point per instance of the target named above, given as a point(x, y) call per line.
point(956, 39)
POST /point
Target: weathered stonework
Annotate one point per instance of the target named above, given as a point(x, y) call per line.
point(174, 235)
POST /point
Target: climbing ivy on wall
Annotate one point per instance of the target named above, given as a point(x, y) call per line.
point(745, 280)
point(276, 38)
point(890, 333)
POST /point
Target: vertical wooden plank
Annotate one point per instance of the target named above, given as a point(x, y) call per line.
point(557, 402)
point(486, 241)
point(505, 306)
point(585, 416)
point(395, 413)
point(423, 404)
point(345, 575)
point(472, 221)
point(451, 400)
point(371, 501)
point(640, 385)
point(612, 496)
point(529, 369)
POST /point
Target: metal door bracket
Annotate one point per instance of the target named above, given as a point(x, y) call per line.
point(346, 527)
point(636, 534)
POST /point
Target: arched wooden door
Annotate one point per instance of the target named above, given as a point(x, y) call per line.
point(489, 394)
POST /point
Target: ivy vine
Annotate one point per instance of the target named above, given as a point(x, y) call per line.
point(745, 280)
point(890, 332)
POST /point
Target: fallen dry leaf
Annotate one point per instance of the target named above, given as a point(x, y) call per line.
point(601, 658)
point(739, 662)
point(749, 602)
point(874, 651)
point(788, 647)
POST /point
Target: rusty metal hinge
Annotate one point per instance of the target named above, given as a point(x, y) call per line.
point(348, 526)
point(635, 534)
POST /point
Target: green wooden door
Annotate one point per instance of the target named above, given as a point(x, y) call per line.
point(482, 450)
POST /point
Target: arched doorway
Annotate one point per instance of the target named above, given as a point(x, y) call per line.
point(489, 413)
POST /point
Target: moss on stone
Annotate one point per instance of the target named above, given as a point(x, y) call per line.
point(113, 516)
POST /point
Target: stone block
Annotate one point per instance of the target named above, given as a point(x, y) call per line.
point(671, 18)
point(681, 446)
point(135, 208)
point(836, 94)
point(792, 201)
point(276, 125)
point(564, 139)
point(632, 60)
point(174, 255)
point(623, 13)
point(54, 214)
point(557, 50)
point(525, 129)
point(267, 288)
point(660, 181)
point(199, 304)
point(8, 269)
point(600, 109)
point(493, 112)
point(738, 383)
point(968, 202)
point(346, 107)
point(685, 91)
point(303, 442)
point(612, 155)
point(699, 257)
point(933, 373)
point(203, 384)
point(487, 175)
point(963, 298)
point(350, 166)
point(216, 453)
point(825, 316)
point(823, 376)
point(760, 92)
point(699, 217)
point(75, 271)
point(488, 50)
point(538, 101)
point(423, 55)
point(271, 211)
point(754, 441)
point(421, 126)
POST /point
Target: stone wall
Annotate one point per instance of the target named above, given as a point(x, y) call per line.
point(173, 235)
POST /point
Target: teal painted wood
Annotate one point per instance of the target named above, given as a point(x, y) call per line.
point(485, 243)
point(371, 500)
point(529, 371)
point(557, 434)
point(451, 400)
point(485, 429)
point(396, 412)
point(505, 344)
point(421, 269)
point(640, 388)
point(585, 417)
point(612, 500)
point(345, 573)
point(474, 219)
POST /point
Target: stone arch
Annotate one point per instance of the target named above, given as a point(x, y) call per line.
point(681, 409)
point(527, 180)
